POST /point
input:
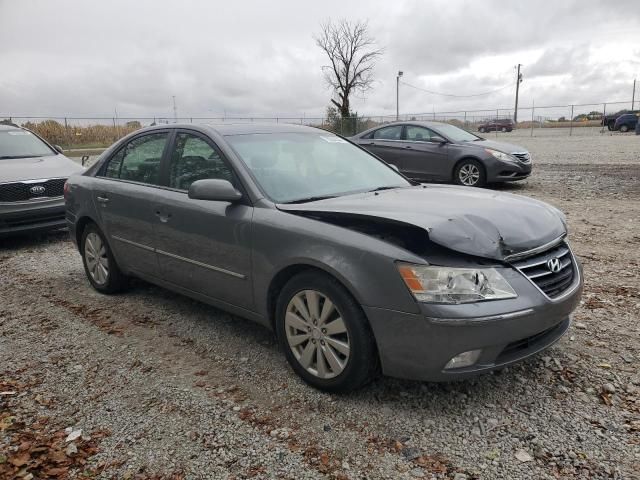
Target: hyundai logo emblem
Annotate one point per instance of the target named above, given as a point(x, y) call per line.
point(554, 265)
point(37, 189)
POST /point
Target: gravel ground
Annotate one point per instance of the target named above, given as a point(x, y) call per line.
point(164, 387)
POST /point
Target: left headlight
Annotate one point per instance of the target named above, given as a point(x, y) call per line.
point(505, 157)
point(433, 284)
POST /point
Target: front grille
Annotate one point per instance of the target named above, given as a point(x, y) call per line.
point(22, 191)
point(536, 269)
point(524, 157)
point(519, 347)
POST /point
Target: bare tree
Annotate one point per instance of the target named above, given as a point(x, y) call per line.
point(352, 54)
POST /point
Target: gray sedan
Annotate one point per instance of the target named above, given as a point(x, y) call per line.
point(32, 176)
point(357, 269)
point(433, 151)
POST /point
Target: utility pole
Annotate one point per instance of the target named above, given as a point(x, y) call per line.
point(398, 95)
point(633, 95)
point(518, 80)
point(175, 110)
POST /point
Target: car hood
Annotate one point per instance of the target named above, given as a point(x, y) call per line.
point(500, 146)
point(469, 220)
point(53, 166)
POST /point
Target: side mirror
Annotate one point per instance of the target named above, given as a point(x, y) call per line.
point(438, 139)
point(214, 189)
point(58, 148)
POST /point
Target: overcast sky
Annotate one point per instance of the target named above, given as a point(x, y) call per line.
point(84, 57)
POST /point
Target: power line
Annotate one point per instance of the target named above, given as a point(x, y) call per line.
point(454, 95)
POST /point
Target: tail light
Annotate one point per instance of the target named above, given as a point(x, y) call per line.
point(66, 189)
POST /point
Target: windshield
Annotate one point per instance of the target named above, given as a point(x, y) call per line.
point(294, 167)
point(21, 144)
point(456, 134)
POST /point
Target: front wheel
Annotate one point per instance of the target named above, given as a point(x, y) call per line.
point(503, 129)
point(481, 129)
point(325, 334)
point(470, 173)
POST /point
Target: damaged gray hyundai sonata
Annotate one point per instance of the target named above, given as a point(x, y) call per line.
point(358, 270)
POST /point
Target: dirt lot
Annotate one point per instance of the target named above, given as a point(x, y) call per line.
point(164, 387)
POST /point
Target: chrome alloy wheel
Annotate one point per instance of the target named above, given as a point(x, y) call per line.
point(317, 334)
point(469, 174)
point(95, 254)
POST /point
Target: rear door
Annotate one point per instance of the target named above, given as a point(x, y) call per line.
point(128, 186)
point(202, 245)
point(424, 159)
point(386, 143)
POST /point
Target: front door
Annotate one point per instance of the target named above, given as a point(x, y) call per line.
point(126, 193)
point(203, 246)
point(423, 158)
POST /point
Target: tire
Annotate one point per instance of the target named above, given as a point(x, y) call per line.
point(473, 171)
point(333, 371)
point(610, 126)
point(99, 264)
point(624, 128)
point(481, 129)
point(503, 129)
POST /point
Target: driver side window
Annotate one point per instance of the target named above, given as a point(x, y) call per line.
point(393, 132)
point(418, 134)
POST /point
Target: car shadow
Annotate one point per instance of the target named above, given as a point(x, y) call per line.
point(30, 240)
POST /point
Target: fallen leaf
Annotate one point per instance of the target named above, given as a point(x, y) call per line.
point(523, 456)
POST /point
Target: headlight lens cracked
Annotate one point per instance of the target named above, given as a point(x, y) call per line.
point(433, 284)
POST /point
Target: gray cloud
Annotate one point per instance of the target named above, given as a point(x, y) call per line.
point(76, 57)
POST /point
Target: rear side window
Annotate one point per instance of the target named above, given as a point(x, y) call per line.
point(139, 160)
point(195, 159)
point(389, 133)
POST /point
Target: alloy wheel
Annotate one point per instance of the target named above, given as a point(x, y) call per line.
point(95, 254)
point(469, 174)
point(316, 334)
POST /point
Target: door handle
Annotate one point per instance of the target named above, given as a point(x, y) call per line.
point(102, 199)
point(372, 143)
point(408, 146)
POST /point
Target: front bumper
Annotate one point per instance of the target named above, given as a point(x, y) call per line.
point(509, 172)
point(419, 346)
point(31, 216)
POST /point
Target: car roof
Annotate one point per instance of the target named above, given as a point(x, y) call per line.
point(226, 129)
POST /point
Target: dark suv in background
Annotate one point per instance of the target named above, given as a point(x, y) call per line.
point(497, 124)
point(610, 120)
point(626, 122)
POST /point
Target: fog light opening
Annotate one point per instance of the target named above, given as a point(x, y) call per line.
point(464, 359)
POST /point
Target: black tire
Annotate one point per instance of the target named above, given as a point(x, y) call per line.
point(115, 281)
point(481, 129)
point(624, 128)
point(482, 175)
point(503, 129)
point(362, 365)
point(610, 126)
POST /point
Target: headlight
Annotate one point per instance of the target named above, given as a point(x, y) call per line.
point(505, 157)
point(433, 284)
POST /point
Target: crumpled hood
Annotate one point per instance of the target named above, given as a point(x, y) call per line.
point(53, 166)
point(478, 222)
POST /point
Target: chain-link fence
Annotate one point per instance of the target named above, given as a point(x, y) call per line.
point(96, 133)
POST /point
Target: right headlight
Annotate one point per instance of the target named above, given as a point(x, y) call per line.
point(433, 284)
point(505, 157)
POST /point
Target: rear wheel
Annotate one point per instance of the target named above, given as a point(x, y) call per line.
point(503, 129)
point(470, 173)
point(624, 128)
point(99, 265)
point(325, 334)
point(481, 129)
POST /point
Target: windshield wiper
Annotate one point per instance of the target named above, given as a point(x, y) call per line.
point(378, 189)
point(311, 199)
point(3, 157)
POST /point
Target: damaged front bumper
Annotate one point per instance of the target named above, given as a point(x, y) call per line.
point(490, 335)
